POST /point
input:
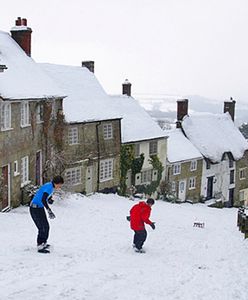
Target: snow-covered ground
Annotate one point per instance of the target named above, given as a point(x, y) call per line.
point(93, 259)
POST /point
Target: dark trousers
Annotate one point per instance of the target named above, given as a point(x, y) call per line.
point(40, 219)
point(139, 238)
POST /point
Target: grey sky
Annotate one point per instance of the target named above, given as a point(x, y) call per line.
point(162, 46)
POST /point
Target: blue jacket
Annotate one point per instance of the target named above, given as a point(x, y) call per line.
point(45, 188)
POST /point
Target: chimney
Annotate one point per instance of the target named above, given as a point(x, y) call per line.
point(126, 88)
point(229, 106)
point(89, 64)
point(182, 111)
point(22, 35)
point(2, 68)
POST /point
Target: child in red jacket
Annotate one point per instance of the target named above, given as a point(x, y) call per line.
point(139, 215)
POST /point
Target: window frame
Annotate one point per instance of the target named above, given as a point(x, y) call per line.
point(176, 169)
point(106, 169)
point(5, 116)
point(25, 118)
point(73, 136)
point(107, 131)
point(24, 170)
point(192, 183)
point(193, 165)
point(75, 175)
point(153, 148)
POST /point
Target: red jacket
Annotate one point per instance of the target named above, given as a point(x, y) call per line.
point(139, 214)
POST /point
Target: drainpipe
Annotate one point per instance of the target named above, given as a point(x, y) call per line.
point(98, 155)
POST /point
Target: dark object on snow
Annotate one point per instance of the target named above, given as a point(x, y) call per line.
point(153, 225)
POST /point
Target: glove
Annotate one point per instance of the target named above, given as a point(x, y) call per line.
point(50, 200)
point(128, 218)
point(51, 215)
point(152, 225)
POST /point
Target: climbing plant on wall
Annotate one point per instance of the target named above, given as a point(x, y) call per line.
point(127, 155)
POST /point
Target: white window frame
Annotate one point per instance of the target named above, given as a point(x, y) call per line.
point(173, 186)
point(176, 169)
point(153, 148)
point(192, 183)
point(242, 174)
point(106, 169)
point(16, 168)
point(73, 136)
point(24, 170)
point(136, 150)
point(73, 176)
point(53, 111)
point(39, 113)
point(5, 116)
point(25, 119)
point(146, 176)
point(241, 196)
point(193, 165)
point(107, 131)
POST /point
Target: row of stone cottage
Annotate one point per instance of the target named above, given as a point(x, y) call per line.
point(58, 120)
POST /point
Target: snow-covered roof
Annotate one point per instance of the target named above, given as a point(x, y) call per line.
point(214, 134)
point(137, 124)
point(179, 148)
point(86, 99)
point(23, 79)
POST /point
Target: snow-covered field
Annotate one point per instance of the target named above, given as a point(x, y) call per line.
point(93, 259)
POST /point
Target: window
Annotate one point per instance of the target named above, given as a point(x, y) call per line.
point(73, 176)
point(16, 171)
point(53, 111)
point(176, 169)
point(73, 135)
point(193, 165)
point(5, 116)
point(146, 176)
point(25, 114)
point(231, 163)
point(242, 173)
point(106, 170)
point(137, 150)
point(241, 196)
point(231, 176)
point(192, 183)
point(107, 131)
point(24, 170)
point(208, 164)
point(39, 113)
point(153, 148)
point(173, 186)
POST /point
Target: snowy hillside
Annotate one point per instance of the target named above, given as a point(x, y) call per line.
point(93, 258)
point(163, 107)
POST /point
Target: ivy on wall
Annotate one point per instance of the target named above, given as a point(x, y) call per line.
point(152, 187)
point(126, 158)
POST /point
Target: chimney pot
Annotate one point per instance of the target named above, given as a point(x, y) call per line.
point(126, 88)
point(89, 64)
point(24, 22)
point(18, 21)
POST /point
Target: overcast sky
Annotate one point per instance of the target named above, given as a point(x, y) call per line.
point(162, 46)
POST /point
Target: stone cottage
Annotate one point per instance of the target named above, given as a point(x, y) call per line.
point(30, 106)
point(92, 130)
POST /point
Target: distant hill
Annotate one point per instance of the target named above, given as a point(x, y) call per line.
point(164, 107)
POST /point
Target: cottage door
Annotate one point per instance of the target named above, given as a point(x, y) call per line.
point(38, 167)
point(89, 179)
point(210, 187)
point(182, 190)
point(231, 198)
point(5, 187)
